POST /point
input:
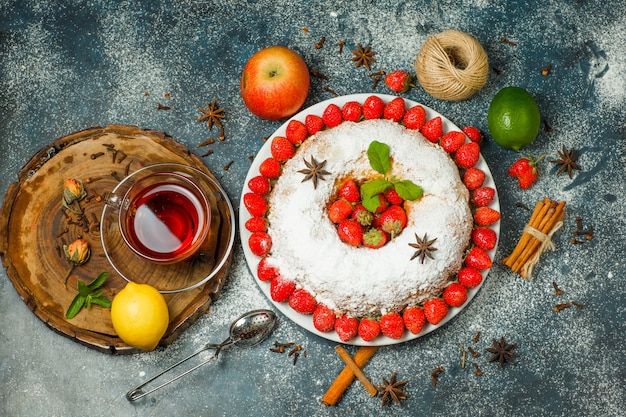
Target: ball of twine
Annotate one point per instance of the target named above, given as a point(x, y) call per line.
point(452, 65)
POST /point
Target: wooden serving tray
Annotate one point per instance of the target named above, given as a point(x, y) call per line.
point(34, 226)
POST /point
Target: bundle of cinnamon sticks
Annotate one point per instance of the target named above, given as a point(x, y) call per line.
point(536, 238)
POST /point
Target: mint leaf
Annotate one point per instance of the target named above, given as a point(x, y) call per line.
point(371, 203)
point(101, 301)
point(98, 281)
point(83, 289)
point(373, 187)
point(87, 295)
point(408, 190)
point(75, 306)
point(378, 154)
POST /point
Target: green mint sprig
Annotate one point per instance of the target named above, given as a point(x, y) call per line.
point(380, 161)
point(88, 295)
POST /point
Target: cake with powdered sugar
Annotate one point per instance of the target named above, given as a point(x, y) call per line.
point(360, 281)
point(372, 218)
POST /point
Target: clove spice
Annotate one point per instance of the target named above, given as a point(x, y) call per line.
point(435, 374)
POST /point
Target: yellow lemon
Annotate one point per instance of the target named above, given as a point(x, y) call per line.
point(513, 118)
point(140, 316)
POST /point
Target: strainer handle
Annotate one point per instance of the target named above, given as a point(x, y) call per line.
point(137, 392)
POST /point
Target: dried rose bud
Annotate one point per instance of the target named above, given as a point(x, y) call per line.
point(73, 193)
point(77, 252)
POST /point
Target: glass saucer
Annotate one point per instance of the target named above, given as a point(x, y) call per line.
point(182, 276)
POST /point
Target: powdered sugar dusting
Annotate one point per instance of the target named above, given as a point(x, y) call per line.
point(360, 281)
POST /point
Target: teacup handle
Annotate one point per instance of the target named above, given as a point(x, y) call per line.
point(115, 201)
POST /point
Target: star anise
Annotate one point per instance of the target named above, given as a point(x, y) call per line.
point(392, 390)
point(502, 352)
point(424, 248)
point(212, 115)
point(568, 161)
point(363, 56)
point(314, 171)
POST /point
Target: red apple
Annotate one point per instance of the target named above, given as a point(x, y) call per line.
point(274, 83)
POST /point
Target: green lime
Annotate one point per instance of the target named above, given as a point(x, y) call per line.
point(513, 118)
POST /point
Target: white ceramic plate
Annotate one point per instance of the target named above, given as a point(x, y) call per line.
point(306, 321)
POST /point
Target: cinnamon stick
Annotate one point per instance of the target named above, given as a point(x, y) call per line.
point(356, 370)
point(554, 215)
point(538, 212)
point(546, 215)
point(345, 378)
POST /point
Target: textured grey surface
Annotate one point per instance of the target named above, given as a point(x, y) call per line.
point(66, 66)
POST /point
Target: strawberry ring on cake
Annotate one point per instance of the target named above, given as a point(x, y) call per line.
point(361, 228)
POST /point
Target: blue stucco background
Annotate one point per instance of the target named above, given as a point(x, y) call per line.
point(69, 65)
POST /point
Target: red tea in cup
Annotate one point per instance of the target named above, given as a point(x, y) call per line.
point(165, 217)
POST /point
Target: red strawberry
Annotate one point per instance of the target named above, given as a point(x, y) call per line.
point(256, 224)
point(375, 238)
point(433, 129)
point(362, 215)
point(486, 216)
point(467, 156)
point(452, 141)
point(435, 310)
point(472, 133)
point(526, 181)
point(483, 196)
point(260, 243)
point(392, 325)
point(270, 168)
point(393, 220)
point(392, 196)
point(302, 301)
point(352, 111)
point(281, 288)
point(346, 327)
point(332, 115)
point(455, 294)
point(382, 205)
point(323, 318)
point(373, 107)
point(478, 258)
point(470, 277)
point(266, 271)
point(399, 81)
point(350, 191)
point(339, 210)
point(281, 148)
point(313, 124)
point(414, 118)
point(394, 110)
point(473, 178)
point(296, 132)
point(259, 185)
point(414, 319)
point(350, 232)
point(525, 170)
point(369, 329)
point(256, 204)
point(484, 237)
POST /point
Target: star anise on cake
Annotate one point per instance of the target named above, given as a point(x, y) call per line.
point(424, 248)
point(212, 115)
point(363, 56)
point(568, 161)
point(392, 390)
point(502, 352)
point(314, 171)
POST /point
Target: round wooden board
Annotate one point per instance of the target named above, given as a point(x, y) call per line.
point(35, 226)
